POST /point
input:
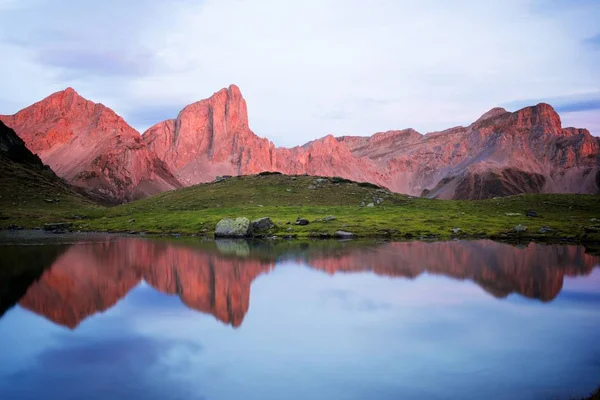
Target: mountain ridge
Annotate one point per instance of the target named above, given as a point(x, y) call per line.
point(90, 146)
point(501, 153)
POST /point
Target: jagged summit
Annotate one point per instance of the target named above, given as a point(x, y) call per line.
point(493, 113)
point(90, 146)
point(501, 153)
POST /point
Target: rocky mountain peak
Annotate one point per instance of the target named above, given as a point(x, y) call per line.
point(501, 153)
point(542, 117)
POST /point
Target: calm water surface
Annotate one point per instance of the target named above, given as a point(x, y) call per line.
point(130, 318)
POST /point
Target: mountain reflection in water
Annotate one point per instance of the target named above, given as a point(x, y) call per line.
point(215, 277)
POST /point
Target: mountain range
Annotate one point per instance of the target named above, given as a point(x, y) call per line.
point(502, 153)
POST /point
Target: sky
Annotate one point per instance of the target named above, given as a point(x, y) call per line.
point(309, 68)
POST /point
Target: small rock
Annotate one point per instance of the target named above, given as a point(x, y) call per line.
point(456, 231)
point(320, 181)
point(58, 226)
point(370, 205)
point(294, 178)
point(520, 228)
point(262, 224)
point(362, 203)
point(289, 229)
point(288, 190)
point(320, 235)
point(328, 218)
point(221, 178)
point(591, 229)
point(545, 229)
point(312, 187)
point(131, 221)
point(260, 205)
point(344, 235)
point(48, 201)
point(378, 201)
point(512, 214)
point(302, 221)
point(233, 228)
point(532, 214)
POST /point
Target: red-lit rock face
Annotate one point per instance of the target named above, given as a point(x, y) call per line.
point(210, 138)
point(90, 278)
point(90, 146)
point(500, 154)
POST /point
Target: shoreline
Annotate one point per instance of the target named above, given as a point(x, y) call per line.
point(75, 235)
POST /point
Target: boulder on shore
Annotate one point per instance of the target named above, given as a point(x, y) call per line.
point(520, 228)
point(344, 235)
point(262, 224)
point(233, 228)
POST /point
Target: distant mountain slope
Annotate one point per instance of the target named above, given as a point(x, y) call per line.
point(26, 183)
point(91, 147)
point(502, 153)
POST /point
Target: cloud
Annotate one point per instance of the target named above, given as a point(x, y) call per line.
point(9, 4)
point(593, 41)
point(582, 105)
point(120, 368)
point(80, 62)
point(562, 104)
point(305, 68)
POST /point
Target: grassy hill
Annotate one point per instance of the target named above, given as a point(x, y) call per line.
point(363, 209)
point(30, 193)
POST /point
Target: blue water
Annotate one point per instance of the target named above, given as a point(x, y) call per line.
point(342, 321)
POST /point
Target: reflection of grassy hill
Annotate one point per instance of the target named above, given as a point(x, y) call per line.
point(284, 198)
point(274, 250)
point(30, 191)
point(20, 267)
